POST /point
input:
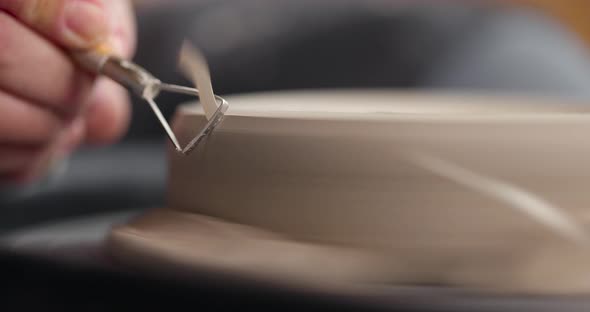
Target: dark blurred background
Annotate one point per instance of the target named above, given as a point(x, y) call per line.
point(520, 46)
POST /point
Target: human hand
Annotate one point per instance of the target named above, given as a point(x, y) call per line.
point(48, 106)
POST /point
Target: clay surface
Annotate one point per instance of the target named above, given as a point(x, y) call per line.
point(478, 192)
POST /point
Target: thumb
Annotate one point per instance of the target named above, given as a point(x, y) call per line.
point(73, 24)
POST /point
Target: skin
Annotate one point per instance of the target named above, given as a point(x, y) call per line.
point(48, 106)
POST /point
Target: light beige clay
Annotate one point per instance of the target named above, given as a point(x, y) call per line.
point(482, 192)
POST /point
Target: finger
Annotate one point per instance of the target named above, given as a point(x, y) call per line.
point(70, 139)
point(52, 154)
point(122, 27)
point(15, 158)
point(25, 123)
point(76, 24)
point(109, 106)
point(34, 69)
point(108, 114)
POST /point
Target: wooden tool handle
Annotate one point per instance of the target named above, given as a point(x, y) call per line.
point(102, 61)
point(93, 60)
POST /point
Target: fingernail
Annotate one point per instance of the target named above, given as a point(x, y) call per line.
point(72, 137)
point(85, 22)
point(44, 169)
point(39, 169)
point(66, 142)
point(76, 135)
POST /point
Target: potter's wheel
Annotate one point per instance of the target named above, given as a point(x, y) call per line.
point(69, 221)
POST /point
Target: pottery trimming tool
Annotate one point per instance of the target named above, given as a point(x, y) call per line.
point(145, 85)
